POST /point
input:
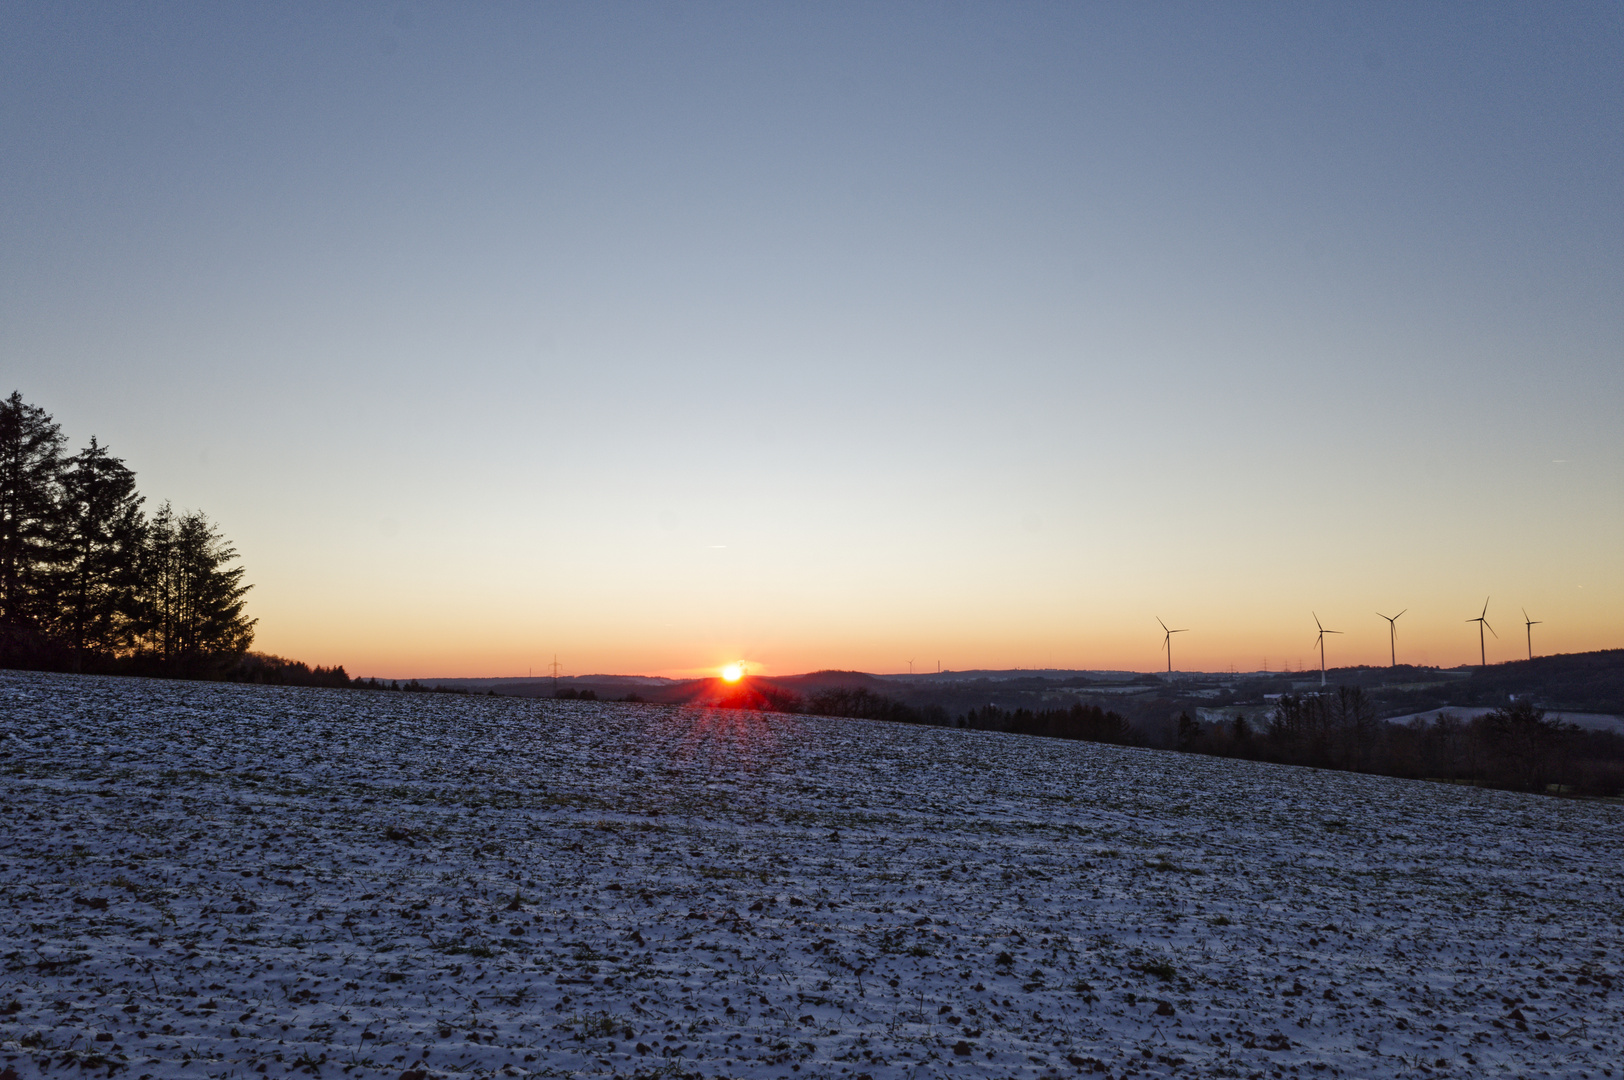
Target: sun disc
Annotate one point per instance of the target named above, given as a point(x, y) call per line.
point(733, 672)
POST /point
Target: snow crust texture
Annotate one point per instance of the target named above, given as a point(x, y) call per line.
point(208, 880)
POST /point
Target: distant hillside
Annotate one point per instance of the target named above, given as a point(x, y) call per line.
point(1578, 682)
point(828, 680)
point(1590, 682)
point(1574, 682)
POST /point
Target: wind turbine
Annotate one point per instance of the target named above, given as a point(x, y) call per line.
point(1320, 641)
point(1482, 621)
point(1167, 642)
point(1392, 634)
point(1528, 624)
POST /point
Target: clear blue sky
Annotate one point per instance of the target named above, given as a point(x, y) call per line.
point(839, 335)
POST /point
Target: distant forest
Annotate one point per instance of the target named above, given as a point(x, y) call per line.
point(89, 581)
point(1515, 747)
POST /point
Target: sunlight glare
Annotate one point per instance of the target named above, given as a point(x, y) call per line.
point(733, 673)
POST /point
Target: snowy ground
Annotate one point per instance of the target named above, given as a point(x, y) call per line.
point(207, 880)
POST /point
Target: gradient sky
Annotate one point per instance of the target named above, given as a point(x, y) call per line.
point(656, 336)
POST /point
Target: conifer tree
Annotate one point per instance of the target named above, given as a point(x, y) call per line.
point(191, 601)
point(30, 463)
point(98, 555)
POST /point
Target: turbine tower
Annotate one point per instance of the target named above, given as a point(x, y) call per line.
point(1320, 641)
point(1482, 621)
point(1392, 634)
point(1167, 642)
point(1529, 624)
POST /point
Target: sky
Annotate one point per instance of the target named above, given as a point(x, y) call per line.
point(654, 337)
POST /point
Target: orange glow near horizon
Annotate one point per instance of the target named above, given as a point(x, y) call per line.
point(466, 637)
point(733, 673)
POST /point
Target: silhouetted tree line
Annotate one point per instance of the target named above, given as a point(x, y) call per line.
point(266, 670)
point(1089, 723)
point(570, 693)
point(1516, 747)
point(412, 687)
point(91, 582)
point(1086, 722)
point(860, 703)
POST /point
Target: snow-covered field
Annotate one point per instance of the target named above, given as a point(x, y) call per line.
point(208, 880)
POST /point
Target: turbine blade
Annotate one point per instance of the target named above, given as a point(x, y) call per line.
point(1491, 629)
point(1316, 620)
point(1400, 615)
point(1485, 605)
point(1159, 620)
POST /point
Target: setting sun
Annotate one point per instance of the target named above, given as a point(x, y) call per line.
point(733, 673)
